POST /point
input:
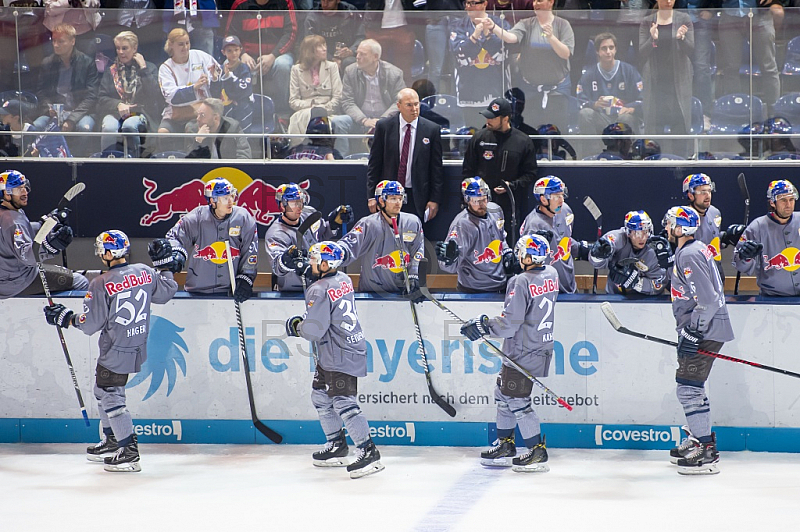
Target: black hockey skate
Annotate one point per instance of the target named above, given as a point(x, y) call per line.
point(534, 461)
point(107, 446)
point(702, 459)
point(367, 462)
point(126, 459)
point(333, 454)
point(498, 454)
point(676, 453)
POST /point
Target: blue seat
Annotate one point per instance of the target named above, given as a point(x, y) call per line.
point(358, 156)
point(169, 155)
point(546, 157)
point(720, 156)
point(23, 96)
point(589, 56)
point(696, 127)
point(418, 64)
point(603, 157)
point(664, 157)
point(732, 113)
point(263, 115)
point(788, 106)
point(791, 66)
point(446, 105)
point(573, 112)
point(110, 154)
point(745, 70)
point(783, 156)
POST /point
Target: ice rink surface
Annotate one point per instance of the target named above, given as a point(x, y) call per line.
point(51, 487)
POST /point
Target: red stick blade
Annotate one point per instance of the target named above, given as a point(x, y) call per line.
point(564, 404)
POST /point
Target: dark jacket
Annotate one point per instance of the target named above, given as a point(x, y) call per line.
point(346, 26)
point(235, 147)
point(497, 157)
point(84, 84)
point(149, 100)
point(354, 89)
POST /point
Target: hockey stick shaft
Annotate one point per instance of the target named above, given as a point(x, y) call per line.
point(591, 206)
point(301, 231)
point(444, 405)
point(257, 423)
point(497, 350)
point(74, 190)
point(617, 324)
point(511, 198)
point(746, 196)
point(47, 226)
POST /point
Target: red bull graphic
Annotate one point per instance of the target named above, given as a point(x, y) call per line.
point(392, 262)
point(128, 282)
point(562, 250)
point(491, 253)
point(215, 252)
point(335, 294)
point(788, 259)
point(677, 293)
point(713, 249)
point(550, 285)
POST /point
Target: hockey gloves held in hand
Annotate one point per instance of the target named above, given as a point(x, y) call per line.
point(244, 288)
point(178, 261)
point(60, 215)
point(583, 250)
point(661, 246)
point(511, 263)
point(623, 276)
point(447, 252)
point(731, 235)
point(546, 234)
point(476, 327)
point(602, 249)
point(689, 342)
point(413, 292)
point(160, 251)
point(292, 324)
point(296, 260)
point(58, 239)
point(343, 214)
point(750, 249)
point(59, 315)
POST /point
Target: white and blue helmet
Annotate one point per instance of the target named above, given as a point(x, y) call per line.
point(533, 246)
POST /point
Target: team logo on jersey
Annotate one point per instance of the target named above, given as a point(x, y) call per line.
point(359, 229)
point(409, 236)
point(491, 253)
point(335, 294)
point(418, 256)
point(488, 155)
point(709, 254)
point(677, 293)
point(235, 231)
point(717, 220)
point(687, 272)
point(549, 285)
point(453, 234)
point(713, 248)
point(17, 233)
point(562, 250)
point(252, 260)
point(128, 282)
point(639, 86)
point(392, 262)
point(641, 266)
point(315, 225)
point(500, 224)
point(215, 252)
point(570, 218)
point(165, 348)
point(788, 259)
point(621, 85)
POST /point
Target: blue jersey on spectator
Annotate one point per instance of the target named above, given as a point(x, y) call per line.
point(236, 92)
point(480, 66)
point(624, 83)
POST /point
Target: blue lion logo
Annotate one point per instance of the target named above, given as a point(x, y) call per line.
point(164, 355)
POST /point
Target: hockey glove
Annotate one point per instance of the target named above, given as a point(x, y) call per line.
point(750, 249)
point(413, 292)
point(60, 215)
point(291, 257)
point(689, 342)
point(343, 214)
point(475, 328)
point(602, 249)
point(731, 236)
point(583, 250)
point(244, 288)
point(59, 315)
point(58, 239)
point(547, 234)
point(447, 252)
point(663, 251)
point(178, 261)
point(292, 325)
point(623, 276)
point(160, 251)
point(511, 263)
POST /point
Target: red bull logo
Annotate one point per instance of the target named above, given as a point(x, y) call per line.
point(713, 249)
point(490, 254)
point(677, 293)
point(215, 252)
point(128, 282)
point(788, 259)
point(562, 250)
point(335, 294)
point(550, 285)
point(392, 262)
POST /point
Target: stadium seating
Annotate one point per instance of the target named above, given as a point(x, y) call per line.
point(732, 113)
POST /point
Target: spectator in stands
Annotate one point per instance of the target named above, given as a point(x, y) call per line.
point(210, 123)
point(751, 140)
point(141, 17)
point(13, 114)
point(616, 147)
point(609, 91)
point(555, 147)
point(236, 84)
point(509, 8)
point(315, 84)
point(318, 148)
point(778, 145)
point(643, 148)
point(705, 24)
point(342, 26)
point(129, 99)
point(436, 35)
point(424, 88)
point(516, 98)
point(81, 15)
point(547, 43)
point(481, 72)
point(389, 25)
point(202, 19)
point(267, 44)
point(185, 79)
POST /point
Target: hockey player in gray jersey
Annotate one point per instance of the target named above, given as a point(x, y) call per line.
point(633, 266)
point(331, 320)
point(702, 322)
point(117, 305)
point(769, 246)
point(475, 246)
point(281, 238)
point(18, 270)
point(198, 240)
point(372, 240)
point(526, 324)
point(552, 218)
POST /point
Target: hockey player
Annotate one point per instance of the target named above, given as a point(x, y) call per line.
point(281, 238)
point(552, 218)
point(768, 247)
point(633, 266)
point(117, 305)
point(372, 239)
point(475, 246)
point(526, 324)
point(18, 270)
point(202, 234)
point(331, 320)
point(702, 322)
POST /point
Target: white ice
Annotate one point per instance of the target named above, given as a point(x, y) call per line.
point(51, 487)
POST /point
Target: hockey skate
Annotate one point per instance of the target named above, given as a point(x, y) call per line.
point(126, 459)
point(685, 446)
point(500, 452)
point(107, 446)
point(367, 462)
point(334, 453)
point(534, 461)
point(702, 459)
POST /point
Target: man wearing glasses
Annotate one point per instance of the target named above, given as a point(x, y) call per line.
point(218, 137)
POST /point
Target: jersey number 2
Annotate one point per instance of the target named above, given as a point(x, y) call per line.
point(126, 305)
point(546, 324)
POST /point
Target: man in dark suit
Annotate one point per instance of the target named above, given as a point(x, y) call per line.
point(408, 148)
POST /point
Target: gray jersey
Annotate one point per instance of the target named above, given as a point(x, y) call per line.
point(372, 239)
point(698, 296)
point(652, 277)
point(118, 305)
point(202, 236)
point(481, 244)
point(562, 247)
point(709, 229)
point(17, 259)
point(777, 269)
point(281, 236)
point(331, 321)
point(527, 319)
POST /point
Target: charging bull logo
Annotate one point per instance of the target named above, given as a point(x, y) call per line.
point(562, 250)
point(215, 252)
point(392, 262)
point(491, 253)
point(713, 248)
point(678, 292)
point(788, 259)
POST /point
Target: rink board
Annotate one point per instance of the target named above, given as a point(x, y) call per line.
point(622, 388)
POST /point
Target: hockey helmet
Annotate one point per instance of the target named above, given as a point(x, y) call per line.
point(388, 188)
point(327, 251)
point(290, 192)
point(638, 221)
point(615, 129)
point(780, 188)
point(114, 241)
point(218, 187)
point(693, 181)
point(11, 179)
point(475, 187)
point(548, 129)
point(548, 186)
point(683, 217)
point(533, 246)
point(320, 125)
point(777, 125)
point(642, 148)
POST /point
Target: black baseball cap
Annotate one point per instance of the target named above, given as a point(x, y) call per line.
point(497, 107)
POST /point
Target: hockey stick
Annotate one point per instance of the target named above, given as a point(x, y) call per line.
point(76, 189)
point(497, 350)
point(444, 405)
point(591, 206)
point(47, 226)
point(614, 321)
point(261, 427)
point(513, 212)
point(301, 231)
point(746, 195)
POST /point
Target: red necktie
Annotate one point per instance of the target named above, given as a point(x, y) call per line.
point(401, 172)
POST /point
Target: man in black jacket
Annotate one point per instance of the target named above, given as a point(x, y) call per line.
point(230, 144)
point(503, 157)
point(342, 27)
